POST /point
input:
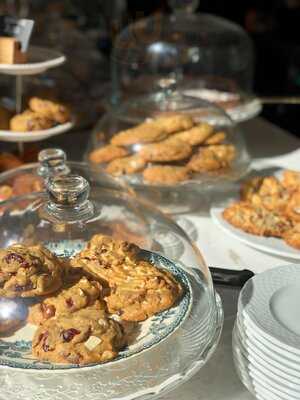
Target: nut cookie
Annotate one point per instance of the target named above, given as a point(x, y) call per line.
point(107, 153)
point(50, 109)
point(293, 207)
point(147, 132)
point(126, 165)
point(167, 150)
point(291, 180)
point(84, 337)
point(292, 237)
point(256, 220)
point(165, 174)
point(68, 300)
point(194, 136)
point(28, 271)
point(30, 121)
point(138, 289)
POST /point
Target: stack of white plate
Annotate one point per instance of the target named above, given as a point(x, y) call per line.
point(266, 336)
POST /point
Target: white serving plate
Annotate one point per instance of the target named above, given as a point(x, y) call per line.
point(269, 245)
point(40, 59)
point(35, 136)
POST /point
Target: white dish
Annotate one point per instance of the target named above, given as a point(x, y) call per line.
point(39, 60)
point(35, 136)
point(270, 245)
point(270, 301)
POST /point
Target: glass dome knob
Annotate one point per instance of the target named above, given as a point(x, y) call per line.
point(69, 198)
point(188, 6)
point(52, 162)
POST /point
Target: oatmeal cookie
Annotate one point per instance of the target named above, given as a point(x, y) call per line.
point(291, 180)
point(49, 109)
point(165, 174)
point(13, 314)
point(147, 132)
point(107, 153)
point(84, 337)
point(292, 237)
point(138, 289)
point(256, 220)
point(30, 121)
point(126, 165)
point(174, 123)
point(216, 138)
point(267, 192)
point(212, 158)
point(293, 207)
point(194, 136)
point(166, 151)
point(28, 271)
point(71, 298)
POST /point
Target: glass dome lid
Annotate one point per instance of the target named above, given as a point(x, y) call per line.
point(97, 289)
point(183, 45)
point(169, 147)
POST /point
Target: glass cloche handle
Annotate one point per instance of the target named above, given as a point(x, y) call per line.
point(52, 163)
point(68, 199)
point(186, 6)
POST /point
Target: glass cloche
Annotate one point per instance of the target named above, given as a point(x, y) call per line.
point(172, 149)
point(85, 314)
point(184, 45)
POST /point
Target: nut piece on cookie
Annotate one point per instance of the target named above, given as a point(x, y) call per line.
point(138, 289)
point(30, 121)
point(126, 165)
point(13, 313)
point(256, 220)
point(50, 109)
point(165, 174)
point(28, 271)
point(216, 138)
point(212, 158)
point(291, 180)
point(167, 150)
point(292, 237)
point(147, 132)
point(85, 337)
point(194, 136)
point(68, 300)
point(107, 153)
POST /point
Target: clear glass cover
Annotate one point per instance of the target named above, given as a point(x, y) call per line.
point(180, 195)
point(63, 219)
point(182, 45)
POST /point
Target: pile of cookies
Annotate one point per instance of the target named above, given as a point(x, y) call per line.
point(166, 150)
point(75, 298)
point(41, 114)
point(269, 207)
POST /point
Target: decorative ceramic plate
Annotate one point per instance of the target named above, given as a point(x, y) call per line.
point(15, 351)
point(39, 60)
point(34, 136)
point(269, 245)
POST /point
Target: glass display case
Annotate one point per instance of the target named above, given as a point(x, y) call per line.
point(173, 149)
point(184, 45)
point(85, 314)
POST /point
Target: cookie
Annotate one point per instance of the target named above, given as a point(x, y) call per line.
point(27, 183)
point(138, 289)
point(267, 192)
point(292, 237)
point(84, 337)
point(107, 153)
point(174, 123)
point(194, 136)
point(291, 180)
point(292, 209)
point(13, 314)
point(147, 132)
point(216, 138)
point(212, 158)
point(50, 109)
point(67, 301)
point(256, 220)
point(6, 192)
point(165, 174)
point(126, 165)
point(166, 151)
point(30, 121)
point(28, 271)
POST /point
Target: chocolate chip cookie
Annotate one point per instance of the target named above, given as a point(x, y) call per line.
point(28, 271)
point(84, 337)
